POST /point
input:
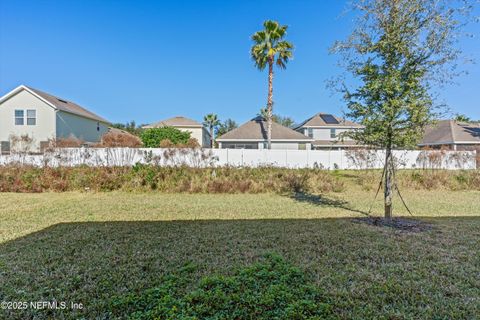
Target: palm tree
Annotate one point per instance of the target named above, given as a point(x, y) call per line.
point(269, 48)
point(284, 121)
point(211, 122)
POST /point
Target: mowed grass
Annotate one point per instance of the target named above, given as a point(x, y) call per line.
point(22, 214)
point(92, 247)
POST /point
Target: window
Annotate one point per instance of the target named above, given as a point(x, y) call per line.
point(333, 133)
point(98, 126)
point(4, 147)
point(19, 117)
point(31, 117)
point(310, 132)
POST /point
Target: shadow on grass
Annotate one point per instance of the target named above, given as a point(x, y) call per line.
point(324, 201)
point(91, 262)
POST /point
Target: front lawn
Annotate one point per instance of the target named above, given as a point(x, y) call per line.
point(99, 248)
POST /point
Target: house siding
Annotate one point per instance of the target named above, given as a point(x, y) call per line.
point(263, 145)
point(71, 125)
point(200, 134)
point(324, 133)
point(43, 130)
point(284, 145)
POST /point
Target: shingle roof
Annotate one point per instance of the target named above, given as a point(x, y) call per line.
point(123, 133)
point(451, 132)
point(318, 120)
point(120, 131)
point(256, 129)
point(175, 122)
point(67, 106)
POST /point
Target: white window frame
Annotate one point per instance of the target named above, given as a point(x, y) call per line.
point(22, 117)
point(34, 118)
point(310, 132)
point(333, 133)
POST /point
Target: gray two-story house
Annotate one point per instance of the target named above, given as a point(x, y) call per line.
point(328, 131)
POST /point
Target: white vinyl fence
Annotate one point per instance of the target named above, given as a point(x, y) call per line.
point(338, 159)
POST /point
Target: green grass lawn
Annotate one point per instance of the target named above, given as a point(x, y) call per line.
point(92, 247)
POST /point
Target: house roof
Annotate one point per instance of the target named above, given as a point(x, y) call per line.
point(256, 130)
point(120, 131)
point(175, 122)
point(451, 132)
point(57, 103)
point(327, 120)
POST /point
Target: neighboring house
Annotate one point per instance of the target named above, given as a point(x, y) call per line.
point(327, 131)
point(43, 117)
point(253, 135)
point(452, 135)
point(197, 130)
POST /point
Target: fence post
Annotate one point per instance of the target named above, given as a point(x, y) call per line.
point(329, 159)
point(342, 155)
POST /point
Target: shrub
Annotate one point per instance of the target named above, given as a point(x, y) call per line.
point(70, 142)
point(269, 289)
point(192, 143)
point(22, 144)
point(152, 138)
point(118, 138)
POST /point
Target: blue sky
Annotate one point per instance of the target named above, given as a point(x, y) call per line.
point(150, 60)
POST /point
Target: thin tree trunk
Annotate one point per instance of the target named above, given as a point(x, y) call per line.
point(388, 185)
point(211, 137)
point(270, 103)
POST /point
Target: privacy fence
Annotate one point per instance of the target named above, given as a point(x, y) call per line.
point(335, 159)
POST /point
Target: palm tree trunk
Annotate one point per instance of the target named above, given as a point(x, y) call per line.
point(388, 183)
point(270, 103)
point(211, 137)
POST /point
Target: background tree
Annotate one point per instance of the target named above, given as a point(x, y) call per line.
point(462, 118)
point(225, 126)
point(153, 137)
point(284, 121)
point(397, 51)
point(130, 127)
point(211, 122)
point(270, 48)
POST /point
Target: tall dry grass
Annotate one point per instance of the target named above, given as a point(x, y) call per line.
point(427, 179)
point(221, 180)
point(166, 179)
point(119, 138)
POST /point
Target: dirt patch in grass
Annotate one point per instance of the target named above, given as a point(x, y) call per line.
point(403, 224)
